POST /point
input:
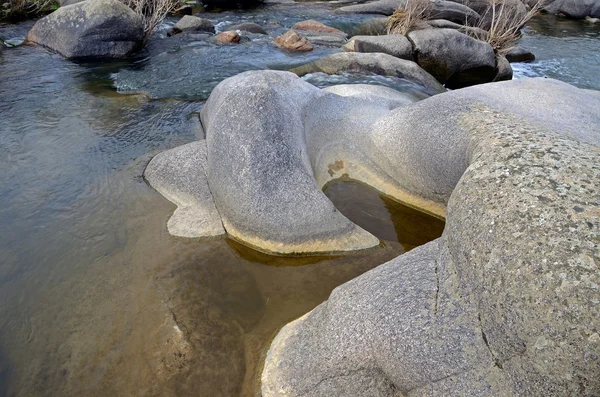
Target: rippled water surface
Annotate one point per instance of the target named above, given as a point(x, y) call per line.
point(565, 49)
point(96, 298)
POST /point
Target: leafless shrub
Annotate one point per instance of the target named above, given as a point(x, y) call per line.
point(15, 10)
point(153, 12)
point(501, 24)
point(406, 17)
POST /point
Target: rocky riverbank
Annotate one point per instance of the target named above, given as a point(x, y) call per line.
point(151, 301)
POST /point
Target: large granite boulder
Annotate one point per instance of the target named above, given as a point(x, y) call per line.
point(259, 170)
point(90, 29)
point(376, 63)
point(574, 8)
point(265, 173)
point(396, 45)
point(454, 58)
point(506, 302)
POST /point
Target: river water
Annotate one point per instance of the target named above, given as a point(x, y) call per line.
point(96, 298)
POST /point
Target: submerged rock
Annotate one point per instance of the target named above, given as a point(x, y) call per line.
point(191, 23)
point(248, 27)
point(488, 308)
point(292, 41)
point(454, 58)
point(376, 63)
point(396, 45)
point(90, 29)
point(314, 26)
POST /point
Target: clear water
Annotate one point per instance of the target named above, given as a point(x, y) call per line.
point(566, 50)
point(96, 298)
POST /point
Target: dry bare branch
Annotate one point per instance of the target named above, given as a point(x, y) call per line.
point(408, 16)
point(153, 12)
point(501, 24)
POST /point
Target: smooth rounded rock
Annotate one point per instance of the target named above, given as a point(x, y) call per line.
point(454, 58)
point(383, 96)
point(520, 54)
point(249, 27)
point(396, 45)
point(90, 29)
point(487, 309)
point(579, 9)
point(503, 69)
point(230, 36)
point(441, 9)
point(179, 174)
point(376, 63)
point(259, 170)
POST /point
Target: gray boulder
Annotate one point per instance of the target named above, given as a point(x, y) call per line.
point(191, 23)
point(90, 29)
point(454, 58)
point(371, 27)
point(488, 309)
point(376, 63)
point(503, 69)
point(259, 170)
point(179, 174)
point(396, 45)
point(579, 9)
point(443, 24)
point(454, 12)
point(520, 54)
point(265, 173)
point(248, 27)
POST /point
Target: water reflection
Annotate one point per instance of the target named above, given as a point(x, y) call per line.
point(383, 217)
